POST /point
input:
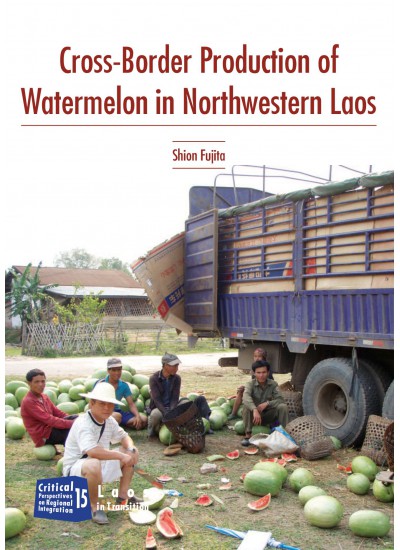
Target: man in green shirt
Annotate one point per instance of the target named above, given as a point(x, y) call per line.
point(263, 403)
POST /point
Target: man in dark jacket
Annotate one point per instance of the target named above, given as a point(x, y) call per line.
point(165, 386)
point(263, 403)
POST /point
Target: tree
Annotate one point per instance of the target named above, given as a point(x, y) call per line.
point(27, 297)
point(76, 258)
point(115, 263)
point(89, 309)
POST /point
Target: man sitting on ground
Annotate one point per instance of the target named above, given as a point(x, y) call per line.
point(45, 423)
point(131, 418)
point(165, 386)
point(88, 453)
point(263, 403)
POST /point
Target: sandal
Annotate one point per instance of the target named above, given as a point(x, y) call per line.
point(99, 517)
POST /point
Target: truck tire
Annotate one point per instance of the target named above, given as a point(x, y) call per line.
point(388, 403)
point(341, 402)
point(382, 377)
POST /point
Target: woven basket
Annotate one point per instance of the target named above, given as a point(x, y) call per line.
point(187, 426)
point(373, 445)
point(309, 435)
point(294, 402)
point(388, 445)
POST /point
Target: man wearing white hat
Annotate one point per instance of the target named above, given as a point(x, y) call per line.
point(88, 454)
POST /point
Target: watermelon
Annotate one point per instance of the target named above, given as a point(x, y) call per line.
point(140, 516)
point(135, 391)
point(140, 380)
point(46, 452)
point(300, 478)
point(233, 455)
point(99, 374)
point(323, 511)
point(89, 384)
point(13, 385)
point(261, 483)
point(226, 408)
point(129, 369)
point(204, 500)
point(260, 430)
point(15, 428)
point(206, 424)
point(251, 451)
point(260, 504)
point(369, 523)
point(12, 412)
point(63, 398)
point(166, 524)
point(383, 492)
point(358, 484)
point(192, 396)
point(75, 391)
point(221, 400)
point(166, 436)
point(272, 467)
point(308, 492)
point(337, 444)
point(69, 408)
point(239, 427)
point(217, 419)
point(150, 540)
point(145, 391)
point(126, 376)
point(64, 386)
point(153, 498)
point(364, 465)
point(78, 381)
point(51, 394)
point(60, 465)
point(81, 404)
point(15, 521)
point(10, 399)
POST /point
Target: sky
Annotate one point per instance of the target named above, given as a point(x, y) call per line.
point(109, 183)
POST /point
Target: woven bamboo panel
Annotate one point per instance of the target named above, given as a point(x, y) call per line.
point(373, 445)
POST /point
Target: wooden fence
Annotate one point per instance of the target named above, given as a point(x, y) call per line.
point(64, 338)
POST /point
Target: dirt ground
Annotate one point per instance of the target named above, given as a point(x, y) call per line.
point(83, 366)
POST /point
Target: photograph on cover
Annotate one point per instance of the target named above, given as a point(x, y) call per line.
point(199, 272)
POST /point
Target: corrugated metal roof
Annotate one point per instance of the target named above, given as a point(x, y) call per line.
point(105, 278)
point(106, 292)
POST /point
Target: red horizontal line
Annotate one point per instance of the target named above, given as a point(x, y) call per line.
point(199, 168)
point(199, 125)
point(198, 141)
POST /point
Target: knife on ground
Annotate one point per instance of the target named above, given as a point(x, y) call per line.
point(149, 478)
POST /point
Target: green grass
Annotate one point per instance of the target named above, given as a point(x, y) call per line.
point(12, 351)
point(284, 517)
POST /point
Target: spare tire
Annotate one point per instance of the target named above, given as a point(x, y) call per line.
point(341, 399)
point(388, 403)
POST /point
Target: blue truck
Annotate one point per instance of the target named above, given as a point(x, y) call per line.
point(307, 275)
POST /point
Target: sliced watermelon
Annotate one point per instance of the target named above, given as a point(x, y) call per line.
point(233, 455)
point(269, 459)
point(251, 451)
point(260, 504)
point(204, 500)
point(226, 487)
point(164, 478)
point(345, 469)
point(150, 540)
point(289, 457)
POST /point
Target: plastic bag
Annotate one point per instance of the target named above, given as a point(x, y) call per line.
point(275, 443)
